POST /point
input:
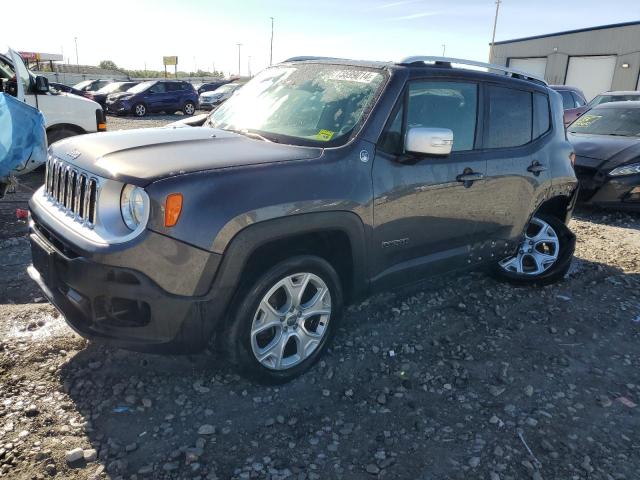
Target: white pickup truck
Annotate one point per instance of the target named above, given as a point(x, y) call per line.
point(65, 114)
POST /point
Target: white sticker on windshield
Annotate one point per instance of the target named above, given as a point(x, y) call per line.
point(359, 76)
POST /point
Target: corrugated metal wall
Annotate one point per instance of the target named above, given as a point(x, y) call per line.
point(622, 41)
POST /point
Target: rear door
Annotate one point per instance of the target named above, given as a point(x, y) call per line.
point(424, 217)
point(517, 126)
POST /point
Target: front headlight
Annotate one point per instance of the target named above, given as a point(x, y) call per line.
point(633, 169)
point(134, 206)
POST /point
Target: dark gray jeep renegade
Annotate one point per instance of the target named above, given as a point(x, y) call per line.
point(320, 182)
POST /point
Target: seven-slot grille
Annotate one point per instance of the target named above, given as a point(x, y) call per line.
point(72, 190)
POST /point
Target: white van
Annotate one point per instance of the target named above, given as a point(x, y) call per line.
point(65, 114)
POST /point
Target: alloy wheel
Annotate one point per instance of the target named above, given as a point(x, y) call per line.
point(291, 321)
point(538, 251)
point(189, 108)
point(140, 110)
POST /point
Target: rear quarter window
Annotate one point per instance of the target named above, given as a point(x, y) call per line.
point(510, 117)
point(541, 115)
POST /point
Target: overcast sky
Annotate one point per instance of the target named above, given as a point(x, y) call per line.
point(204, 33)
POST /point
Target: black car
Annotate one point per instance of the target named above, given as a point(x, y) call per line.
point(101, 95)
point(211, 86)
point(607, 144)
point(318, 183)
point(60, 87)
point(167, 96)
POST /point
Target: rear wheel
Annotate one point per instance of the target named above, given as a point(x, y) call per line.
point(544, 254)
point(286, 319)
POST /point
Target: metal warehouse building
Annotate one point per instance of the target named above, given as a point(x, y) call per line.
point(594, 59)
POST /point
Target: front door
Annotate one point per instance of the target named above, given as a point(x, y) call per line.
point(425, 217)
point(157, 97)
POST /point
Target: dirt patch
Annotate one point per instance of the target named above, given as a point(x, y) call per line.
point(458, 378)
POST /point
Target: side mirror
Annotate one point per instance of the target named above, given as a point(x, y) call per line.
point(42, 84)
point(429, 141)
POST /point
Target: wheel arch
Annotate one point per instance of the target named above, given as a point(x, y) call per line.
point(558, 206)
point(65, 126)
point(337, 237)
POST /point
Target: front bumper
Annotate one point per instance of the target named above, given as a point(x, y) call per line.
point(118, 107)
point(119, 305)
point(599, 189)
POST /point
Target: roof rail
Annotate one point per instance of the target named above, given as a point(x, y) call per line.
point(305, 58)
point(489, 66)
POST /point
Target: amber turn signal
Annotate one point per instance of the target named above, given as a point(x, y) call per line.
point(172, 209)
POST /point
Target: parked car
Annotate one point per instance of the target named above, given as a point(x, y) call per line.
point(319, 182)
point(91, 85)
point(211, 86)
point(101, 95)
point(166, 96)
point(62, 88)
point(210, 100)
point(607, 144)
point(66, 115)
point(572, 98)
point(571, 115)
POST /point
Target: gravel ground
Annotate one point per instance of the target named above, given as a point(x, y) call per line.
point(458, 378)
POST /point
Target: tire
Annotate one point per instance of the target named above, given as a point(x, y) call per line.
point(274, 332)
point(189, 108)
point(139, 110)
point(543, 257)
point(60, 134)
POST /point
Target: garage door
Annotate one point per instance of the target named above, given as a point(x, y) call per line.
point(593, 75)
point(534, 66)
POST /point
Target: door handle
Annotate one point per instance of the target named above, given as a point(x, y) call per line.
point(536, 167)
point(468, 177)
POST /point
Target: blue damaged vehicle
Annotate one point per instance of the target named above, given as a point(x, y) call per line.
point(318, 183)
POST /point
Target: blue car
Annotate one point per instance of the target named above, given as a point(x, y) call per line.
point(154, 96)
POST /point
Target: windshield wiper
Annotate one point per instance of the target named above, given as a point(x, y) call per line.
point(249, 134)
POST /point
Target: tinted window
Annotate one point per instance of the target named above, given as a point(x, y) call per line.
point(159, 88)
point(445, 105)
point(567, 99)
point(173, 87)
point(541, 114)
point(510, 118)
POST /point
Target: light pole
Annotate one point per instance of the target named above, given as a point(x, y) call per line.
point(249, 65)
point(75, 39)
point(495, 24)
point(239, 47)
point(444, 49)
point(271, 51)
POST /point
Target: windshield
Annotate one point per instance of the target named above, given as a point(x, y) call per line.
point(613, 98)
point(112, 87)
point(141, 87)
point(225, 88)
point(82, 85)
point(609, 121)
point(306, 104)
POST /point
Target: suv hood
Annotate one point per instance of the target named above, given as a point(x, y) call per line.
point(604, 151)
point(143, 156)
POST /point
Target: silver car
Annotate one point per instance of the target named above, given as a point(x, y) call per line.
point(210, 100)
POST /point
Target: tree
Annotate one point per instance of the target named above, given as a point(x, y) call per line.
point(108, 65)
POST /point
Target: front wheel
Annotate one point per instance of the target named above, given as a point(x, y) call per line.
point(284, 322)
point(189, 108)
point(140, 110)
point(543, 256)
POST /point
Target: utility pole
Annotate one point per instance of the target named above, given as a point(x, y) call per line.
point(75, 39)
point(495, 24)
point(249, 65)
point(271, 51)
point(444, 49)
point(239, 47)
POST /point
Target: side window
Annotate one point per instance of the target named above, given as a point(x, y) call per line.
point(172, 87)
point(159, 87)
point(541, 115)
point(451, 105)
point(567, 99)
point(578, 99)
point(391, 140)
point(510, 118)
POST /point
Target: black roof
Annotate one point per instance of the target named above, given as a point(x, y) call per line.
point(566, 32)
